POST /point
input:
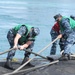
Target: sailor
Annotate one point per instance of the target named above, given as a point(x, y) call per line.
point(55, 31)
point(24, 36)
point(67, 27)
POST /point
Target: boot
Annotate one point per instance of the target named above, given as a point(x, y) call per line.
point(25, 60)
point(65, 57)
point(8, 65)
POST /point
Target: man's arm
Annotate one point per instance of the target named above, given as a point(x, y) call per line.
point(20, 33)
point(18, 36)
point(66, 26)
point(25, 45)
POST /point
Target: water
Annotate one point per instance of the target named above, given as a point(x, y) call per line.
point(38, 13)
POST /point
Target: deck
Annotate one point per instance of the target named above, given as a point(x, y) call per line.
point(61, 68)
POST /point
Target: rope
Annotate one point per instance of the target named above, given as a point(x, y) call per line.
point(36, 67)
point(6, 51)
point(35, 56)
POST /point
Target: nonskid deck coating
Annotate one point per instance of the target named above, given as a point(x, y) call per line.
point(61, 68)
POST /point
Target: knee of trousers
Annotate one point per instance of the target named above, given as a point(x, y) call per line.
point(11, 54)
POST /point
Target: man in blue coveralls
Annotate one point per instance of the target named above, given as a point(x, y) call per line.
point(24, 36)
point(67, 27)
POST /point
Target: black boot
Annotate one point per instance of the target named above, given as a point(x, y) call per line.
point(31, 65)
point(8, 65)
point(65, 57)
point(25, 60)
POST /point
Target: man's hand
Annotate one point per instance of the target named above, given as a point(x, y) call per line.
point(15, 47)
point(21, 47)
point(25, 45)
point(60, 36)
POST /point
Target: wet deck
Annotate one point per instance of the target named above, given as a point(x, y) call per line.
point(61, 68)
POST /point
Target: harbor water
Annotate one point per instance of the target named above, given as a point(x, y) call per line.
point(38, 13)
